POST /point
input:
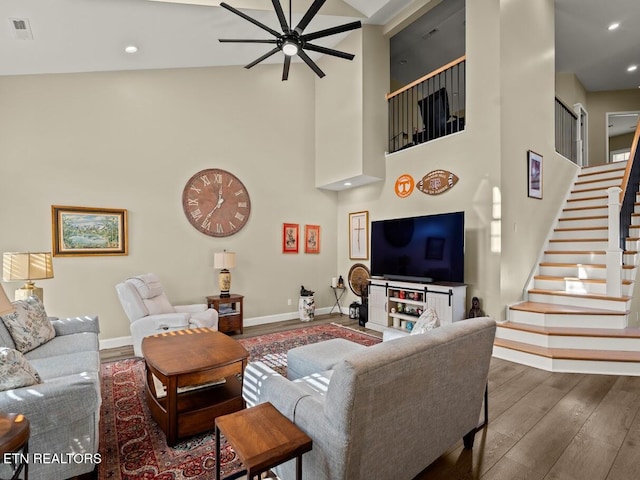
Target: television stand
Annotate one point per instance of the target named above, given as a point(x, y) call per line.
point(396, 304)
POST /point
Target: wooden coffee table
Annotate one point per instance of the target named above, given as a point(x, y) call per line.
point(263, 438)
point(186, 362)
point(14, 442)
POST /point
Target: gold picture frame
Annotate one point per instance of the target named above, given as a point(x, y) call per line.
point(359, 235)
point(87, 231)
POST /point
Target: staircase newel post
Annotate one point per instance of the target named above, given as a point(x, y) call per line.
point(614, 252)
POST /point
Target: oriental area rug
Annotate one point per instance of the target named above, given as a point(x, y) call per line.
point(132, 446)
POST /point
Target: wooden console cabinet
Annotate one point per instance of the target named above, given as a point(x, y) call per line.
point(392, 302)
point(230, 312)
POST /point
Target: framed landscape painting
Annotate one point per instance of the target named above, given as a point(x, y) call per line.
point(85, 231)
point(290, 238)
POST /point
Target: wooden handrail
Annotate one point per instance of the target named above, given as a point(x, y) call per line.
point(427, 77)
point(632, 156)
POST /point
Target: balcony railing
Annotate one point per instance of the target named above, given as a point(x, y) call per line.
point(431, 107)
point(566, 131)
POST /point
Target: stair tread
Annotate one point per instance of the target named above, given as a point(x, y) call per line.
point(579, 229)
point(596, 197)
point(593, 207)
point(593, 296)
point(552, 308)
point(591, 252)
point(590, 217)
point(629, 332)
point(579, 240)
point(569, 353)
point(583, 265)
point(608, 170)
point(586, 280)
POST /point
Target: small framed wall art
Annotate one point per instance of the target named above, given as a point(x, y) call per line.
point(534, 174)
point(359, 235)
point(312, 239)
point(290, 237)
point(85, 231)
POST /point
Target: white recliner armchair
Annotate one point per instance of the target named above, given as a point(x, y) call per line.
point(150, 312)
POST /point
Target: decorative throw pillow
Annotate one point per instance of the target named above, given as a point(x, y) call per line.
point(29, 325)
point(427, 321)
point(15, 371)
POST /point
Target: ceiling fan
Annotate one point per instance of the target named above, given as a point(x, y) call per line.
point(292, 41)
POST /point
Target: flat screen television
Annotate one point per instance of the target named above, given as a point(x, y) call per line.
point(428, 248)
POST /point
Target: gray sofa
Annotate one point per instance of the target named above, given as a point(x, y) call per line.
point(64, 410)
point(385, 411)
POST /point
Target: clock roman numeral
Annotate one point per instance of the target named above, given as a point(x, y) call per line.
point(206, 224)
point(197, 190)
point(239, 216)
point(193, 202)
point(217, 178)
point(239, 192)
point(233, 227)
point(205, 180)
point(219, 228)
point(242, 204)
point(196, 214)
point(230, 182)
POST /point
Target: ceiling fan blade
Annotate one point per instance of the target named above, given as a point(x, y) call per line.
point(248, 18)
point(264, 57)
point(331, 31)
point(311, 63)
point(285, 68)
point(313, 9)
point(329, 51)
point(280, 13)
point(245, 40)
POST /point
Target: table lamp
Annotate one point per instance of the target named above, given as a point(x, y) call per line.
point(5, 304)
point(225, 261)
point(27, 267)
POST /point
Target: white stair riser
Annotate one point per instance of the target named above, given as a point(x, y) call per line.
point(585, 192)
point(569, 341)
point(584, 212)
point(587, 202)
point(601, 232)
point(572, 366)
point(568, 320)
point(581, 257)
point(603, 167)
point(635, 220)
point(610, 181)
point(584, 181)
point(577, 286)
point(583, 271)
point(601, 304)
point(586, 245)
point(583, 222)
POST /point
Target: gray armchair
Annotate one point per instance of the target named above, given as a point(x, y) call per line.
point(150, 312)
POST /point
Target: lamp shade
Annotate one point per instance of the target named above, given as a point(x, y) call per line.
point(26, 266)
point(5, 304)
point(224, 260)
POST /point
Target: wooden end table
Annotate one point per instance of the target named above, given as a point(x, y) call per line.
point(230, 312)
point(263, 438)
point(187, 362)
point(14, 442)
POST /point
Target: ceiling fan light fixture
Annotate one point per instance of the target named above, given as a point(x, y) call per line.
point(289, 48)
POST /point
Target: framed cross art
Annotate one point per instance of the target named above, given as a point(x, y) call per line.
point(359, 235)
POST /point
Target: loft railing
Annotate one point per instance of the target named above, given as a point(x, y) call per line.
point(566, 131)
point(431, 107)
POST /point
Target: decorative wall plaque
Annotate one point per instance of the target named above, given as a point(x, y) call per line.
point(437, 182)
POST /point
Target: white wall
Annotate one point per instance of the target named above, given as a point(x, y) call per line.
point(132, 140)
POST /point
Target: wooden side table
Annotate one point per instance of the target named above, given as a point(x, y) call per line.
point(263, 438)
point(230, 312)
point(14, 442)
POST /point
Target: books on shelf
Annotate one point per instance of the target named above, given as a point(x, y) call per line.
point(226, 310)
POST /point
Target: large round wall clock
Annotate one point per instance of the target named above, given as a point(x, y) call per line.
point(216, 202)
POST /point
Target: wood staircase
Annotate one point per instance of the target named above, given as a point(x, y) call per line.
point(569, 323)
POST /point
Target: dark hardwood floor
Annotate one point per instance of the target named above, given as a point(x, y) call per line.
point(542, 425)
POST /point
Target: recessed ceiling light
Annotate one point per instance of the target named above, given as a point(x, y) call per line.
point(613, 26)
point(131, 49)
point(632, 68)
point(347, 184)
